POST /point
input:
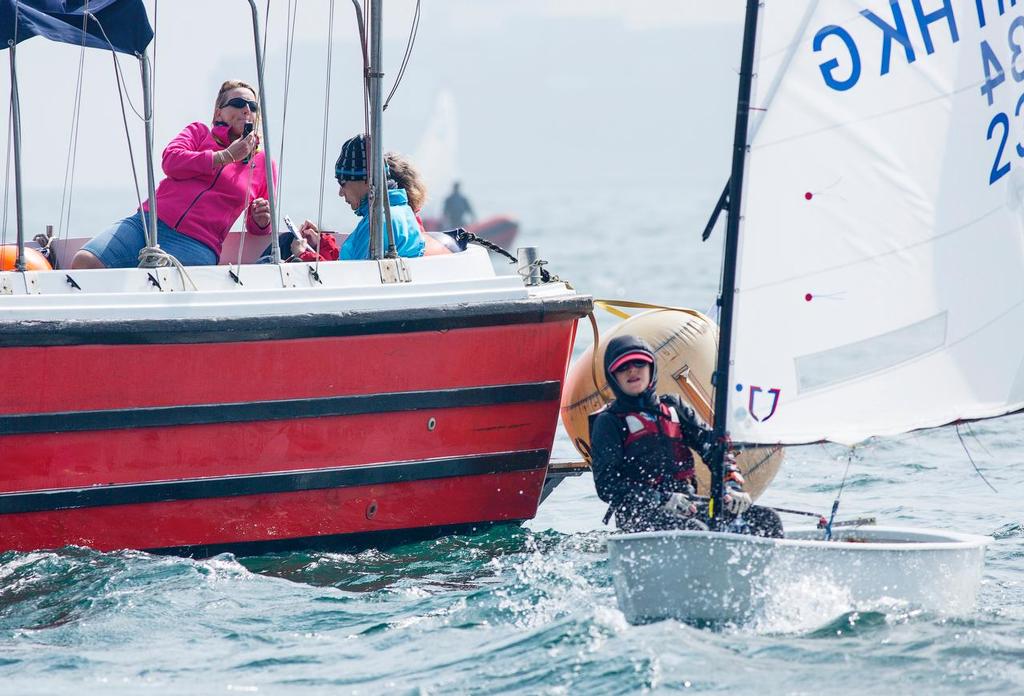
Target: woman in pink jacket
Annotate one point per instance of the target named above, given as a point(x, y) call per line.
point(213, 174)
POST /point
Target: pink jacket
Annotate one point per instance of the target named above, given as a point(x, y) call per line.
point(203, 201)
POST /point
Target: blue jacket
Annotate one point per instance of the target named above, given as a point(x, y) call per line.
point(408, 239)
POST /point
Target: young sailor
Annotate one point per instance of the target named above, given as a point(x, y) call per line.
point(641, 459)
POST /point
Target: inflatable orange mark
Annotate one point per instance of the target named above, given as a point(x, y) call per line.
point(34, 261)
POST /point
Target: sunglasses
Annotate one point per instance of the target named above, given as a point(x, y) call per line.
point(632, 363)
point(240, 103)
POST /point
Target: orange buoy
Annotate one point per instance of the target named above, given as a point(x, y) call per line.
point(34, 261)
point(685, 345)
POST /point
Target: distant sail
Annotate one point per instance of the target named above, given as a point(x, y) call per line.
point(880, 285)
point(436, 154)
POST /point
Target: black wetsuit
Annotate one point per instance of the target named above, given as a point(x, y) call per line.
point(641, 454)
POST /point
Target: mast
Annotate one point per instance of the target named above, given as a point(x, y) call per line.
point(19, 263)
point(147, 110)
point(275, 250)
point(725, 299)
point(375, 168)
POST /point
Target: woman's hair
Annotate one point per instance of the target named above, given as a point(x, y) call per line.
point(229, 85)
point(407, 177)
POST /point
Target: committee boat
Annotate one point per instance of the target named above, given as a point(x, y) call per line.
point(253, 407)
point(872, 283)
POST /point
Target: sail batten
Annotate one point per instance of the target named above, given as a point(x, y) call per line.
point(880, 272)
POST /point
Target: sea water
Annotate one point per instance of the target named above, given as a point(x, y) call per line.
point(531, 610)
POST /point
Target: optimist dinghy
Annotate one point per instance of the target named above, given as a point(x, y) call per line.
point(724, 577)
point(872, 283)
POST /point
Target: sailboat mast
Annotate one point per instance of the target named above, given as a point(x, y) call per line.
point(375, 75)
point(728, 291)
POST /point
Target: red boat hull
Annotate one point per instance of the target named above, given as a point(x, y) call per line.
point(211, 437)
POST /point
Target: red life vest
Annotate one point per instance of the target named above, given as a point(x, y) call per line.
point(659, 439)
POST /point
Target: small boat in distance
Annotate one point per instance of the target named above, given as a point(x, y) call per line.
point(871, 286)
point(498, 229)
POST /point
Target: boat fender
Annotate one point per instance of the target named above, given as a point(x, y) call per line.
point(34, 260)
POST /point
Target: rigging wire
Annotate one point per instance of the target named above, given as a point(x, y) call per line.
point(237, 276)
point(974, 436)
point(839, 494)
point(152, 97)
point(973, 463)
point(117, 66)
point(122, 93)
point(323, 152)
point(10, 129)
point(128, 137)
point(361, 22)
point(289, 51)
point(7, 172)
point(67, 190)
point(266, 28)
point(327, 114)
point(413, 30)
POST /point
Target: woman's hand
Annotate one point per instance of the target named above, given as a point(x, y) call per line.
point(259, 211)
point(242, 148)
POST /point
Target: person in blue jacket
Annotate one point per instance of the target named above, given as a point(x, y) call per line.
point(351, 173)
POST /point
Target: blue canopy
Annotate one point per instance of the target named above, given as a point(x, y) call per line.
point(118, 24)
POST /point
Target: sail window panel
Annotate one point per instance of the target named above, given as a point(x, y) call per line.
point(843, 363)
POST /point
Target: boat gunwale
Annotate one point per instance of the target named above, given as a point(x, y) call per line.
point(233, 329)
point(957, 540)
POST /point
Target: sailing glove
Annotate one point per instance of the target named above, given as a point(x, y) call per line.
point(679, 504)
point(737, 502)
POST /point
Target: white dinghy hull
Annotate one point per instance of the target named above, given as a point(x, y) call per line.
point(723, 577)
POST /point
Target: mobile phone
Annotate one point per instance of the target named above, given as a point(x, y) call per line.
point(291, 227)
point(246, 130)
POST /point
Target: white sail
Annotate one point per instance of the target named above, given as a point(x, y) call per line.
point(880, 281)
point(437, 154)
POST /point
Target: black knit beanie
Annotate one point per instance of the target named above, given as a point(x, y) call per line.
point(351, 164)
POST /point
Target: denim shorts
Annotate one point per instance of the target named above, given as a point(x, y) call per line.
point(120, 244)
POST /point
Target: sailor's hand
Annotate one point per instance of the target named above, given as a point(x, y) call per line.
point(259, 211)
point(737, 502)
point(310, 235)
point(242, 148)
point(309, 231)
point(298, 246)
point(679, 504)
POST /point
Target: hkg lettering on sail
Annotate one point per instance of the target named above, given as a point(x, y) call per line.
point(898, 34)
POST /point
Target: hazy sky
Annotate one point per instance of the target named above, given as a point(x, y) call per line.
point(531, 92)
